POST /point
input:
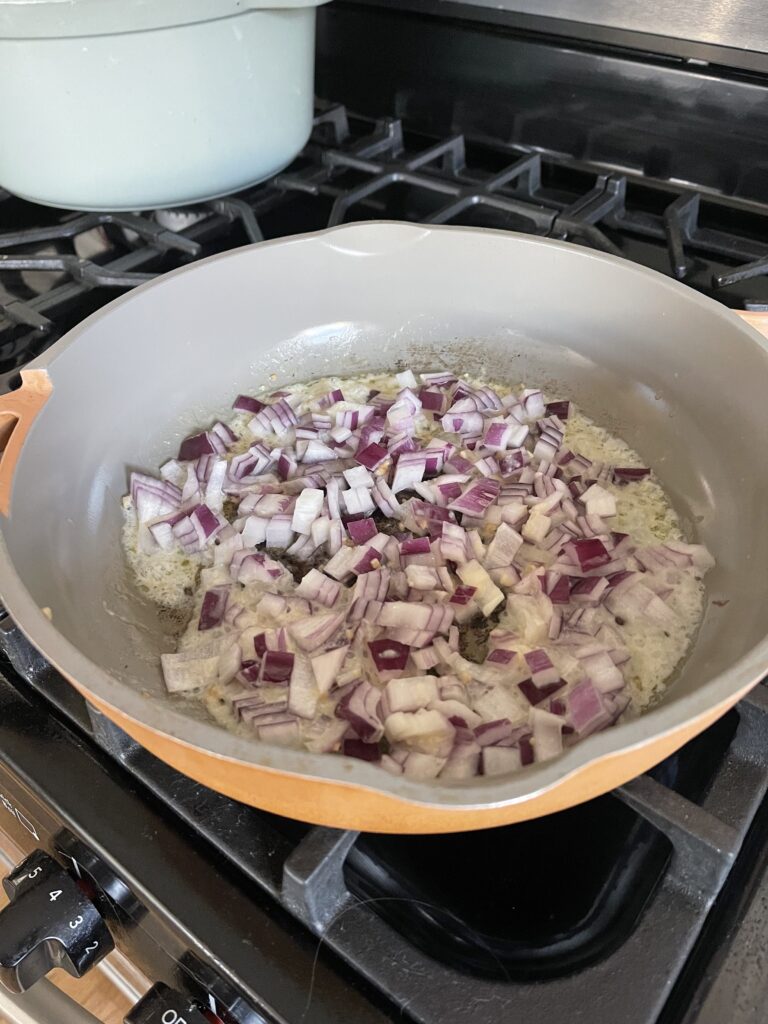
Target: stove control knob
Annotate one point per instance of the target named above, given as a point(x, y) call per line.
point(164, 1005)
point(48, 923)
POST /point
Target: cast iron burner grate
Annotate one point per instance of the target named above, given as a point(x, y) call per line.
point(536, 900)
point(58, 266)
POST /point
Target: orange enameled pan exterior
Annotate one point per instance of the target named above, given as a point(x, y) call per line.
point(352, 807)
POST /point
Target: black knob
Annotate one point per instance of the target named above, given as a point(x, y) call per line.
point(48, 923)
point(164, 1005)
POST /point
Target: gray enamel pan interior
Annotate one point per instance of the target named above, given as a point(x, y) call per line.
point(675, 374)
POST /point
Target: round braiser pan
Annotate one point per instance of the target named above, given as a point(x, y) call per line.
point(681, 378)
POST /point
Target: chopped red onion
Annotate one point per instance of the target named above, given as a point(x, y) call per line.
point(405, 597)
point(432, 401)
point(308, 507)
point(303, 693)
point(629, 474)
point(499, 656)
point(425, 659)
point(497, 435)
point(354, 418)
point(409, 694)
point(358, 501)
point(372, 457)
point(601, 670)
point(276, 667)
point(547, 734)
point(560, 409)
point(327, 666)
point(277, 419)
point(438, 380)
point(244, 403)
point(598, 501)
point(279, 531)
point(361, 530)
point(388, 655)
point(385, 500)
point(476, 497)
point(490, 733)
point(462, 423)
point(284, 734)
point(543, 672)
point(409, 470)
point(316, 630)
point(213, 608)
point(361, 750)
point(196, 445)
point(315, 586)
point(536, 694)
point(503, 548)
point(359, 707)
point(589, 591)
point(589, 553)
point(415, 546)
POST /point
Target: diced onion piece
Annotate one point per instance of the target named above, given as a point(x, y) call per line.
point(324, 734)
point(358, 476)
point(189, 670)
point(244, 403)
point(358, 501)
point(533, 402)
point(605, 676)
point(308, 507)
point(315, 586)
point(359, 707)
point(503, 548)
point(586, 711)
point(428, 732)
point(213, 608)
point(590, 553)
point(276, 666)
point(314, 631)
point(543, 672)
point(476, 497)
point(598, 501)
point(463, 762)
point(629, 474)
point(488, 595)
point(500, 760)
point(410, 694)
point(326, 667)
point(547, 734)
point(361, 530)
point(303, 692)
point(406, 379)
point(536, 527)
point(361, 750)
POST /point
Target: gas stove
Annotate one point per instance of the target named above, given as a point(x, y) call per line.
point(646, 906)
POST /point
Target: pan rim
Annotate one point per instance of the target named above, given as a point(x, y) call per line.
point(212, 740)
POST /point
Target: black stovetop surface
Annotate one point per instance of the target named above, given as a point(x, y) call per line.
point(537, 920)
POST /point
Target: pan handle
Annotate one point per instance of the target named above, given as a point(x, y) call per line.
point(757, 320)
point(18, 410)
